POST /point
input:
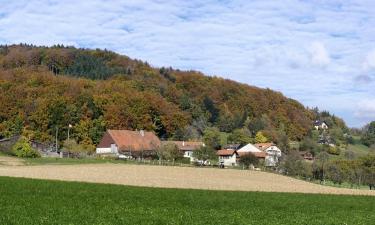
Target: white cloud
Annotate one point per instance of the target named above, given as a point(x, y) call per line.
point(366, 109)
point(369, 62)
point(277, 44)
point(319, 54)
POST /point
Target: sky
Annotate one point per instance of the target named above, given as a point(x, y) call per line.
point(321, 53)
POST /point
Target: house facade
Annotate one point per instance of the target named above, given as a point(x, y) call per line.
point(320, 125)
point(228, 157)
point(273, 153)
point(132, 144)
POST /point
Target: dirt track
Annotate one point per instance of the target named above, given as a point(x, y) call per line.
point(174, 177)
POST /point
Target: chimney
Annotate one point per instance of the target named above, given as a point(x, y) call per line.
point(183, 143)
point(142, 132)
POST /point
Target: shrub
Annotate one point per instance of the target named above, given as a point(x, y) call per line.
point(249, 159)
point(23, 149)
point(333, 150)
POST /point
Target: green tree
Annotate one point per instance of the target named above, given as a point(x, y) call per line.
point(23, 149)
point(249, 159)
point(320, 166)
point(240, 136)
point(368, 165)
point(292, 165)
point(260, 138)
point(368, 138)
point(205, 153)
point(212, 137)
point(170, 152)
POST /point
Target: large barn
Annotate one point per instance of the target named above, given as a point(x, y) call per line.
point(136, 144)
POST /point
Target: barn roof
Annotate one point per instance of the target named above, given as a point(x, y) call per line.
point(127, 140)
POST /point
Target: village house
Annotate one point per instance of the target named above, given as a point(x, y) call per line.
point(250, 148)
point(320, 125)
point(273, 153)
point(129, 144)
point(187, 147)
point(227, 157)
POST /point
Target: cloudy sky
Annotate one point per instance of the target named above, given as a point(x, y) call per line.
point(321, 53)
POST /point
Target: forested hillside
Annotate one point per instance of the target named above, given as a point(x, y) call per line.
point(42, 89)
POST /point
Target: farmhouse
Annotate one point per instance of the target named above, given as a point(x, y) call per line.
point(187, 147)
point(273, 153)
point(228, 157)
point(250, 148)
point(135, 144)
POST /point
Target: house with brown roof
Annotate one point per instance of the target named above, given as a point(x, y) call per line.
point(132, 144)
point(228, 157)
point(187, 147)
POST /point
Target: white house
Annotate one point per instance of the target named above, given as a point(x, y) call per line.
point(273, 153)
point(228, 157)
point(320, 125)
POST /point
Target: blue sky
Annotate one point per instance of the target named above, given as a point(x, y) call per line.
point(321, 53)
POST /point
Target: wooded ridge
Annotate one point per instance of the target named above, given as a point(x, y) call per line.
point(46, 88)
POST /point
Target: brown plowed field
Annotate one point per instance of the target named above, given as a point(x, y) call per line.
point(174, 177)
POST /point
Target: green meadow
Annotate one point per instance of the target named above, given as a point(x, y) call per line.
point(28, 201)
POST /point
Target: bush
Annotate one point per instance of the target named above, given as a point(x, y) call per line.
point(333, 150)
point(249, 159)
point(23, 149)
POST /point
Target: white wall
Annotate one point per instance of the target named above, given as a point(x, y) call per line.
point(111, 150)
point(228, 160)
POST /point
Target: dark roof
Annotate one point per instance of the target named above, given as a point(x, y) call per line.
point(319, 123)
point(232, 146)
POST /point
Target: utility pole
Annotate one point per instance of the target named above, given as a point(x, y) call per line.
point(70, 126)
point(57, 142)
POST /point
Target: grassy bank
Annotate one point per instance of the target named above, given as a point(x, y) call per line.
point(25, 201)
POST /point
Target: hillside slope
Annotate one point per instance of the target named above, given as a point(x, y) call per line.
point(43, 88)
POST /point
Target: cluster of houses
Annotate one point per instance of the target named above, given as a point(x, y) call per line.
point(143, 144)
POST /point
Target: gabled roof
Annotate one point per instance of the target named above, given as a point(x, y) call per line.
point(127, 140)
point(187, 145)
point(264, 146)
point(225, 152)
point(249, 148)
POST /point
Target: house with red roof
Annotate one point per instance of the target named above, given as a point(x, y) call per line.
point(228, 157)
point(132, 144)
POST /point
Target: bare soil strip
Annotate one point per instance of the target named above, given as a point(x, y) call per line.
point(175, 177)
point(10, 161)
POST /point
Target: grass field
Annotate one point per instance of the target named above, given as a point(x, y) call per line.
point(26, 201)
